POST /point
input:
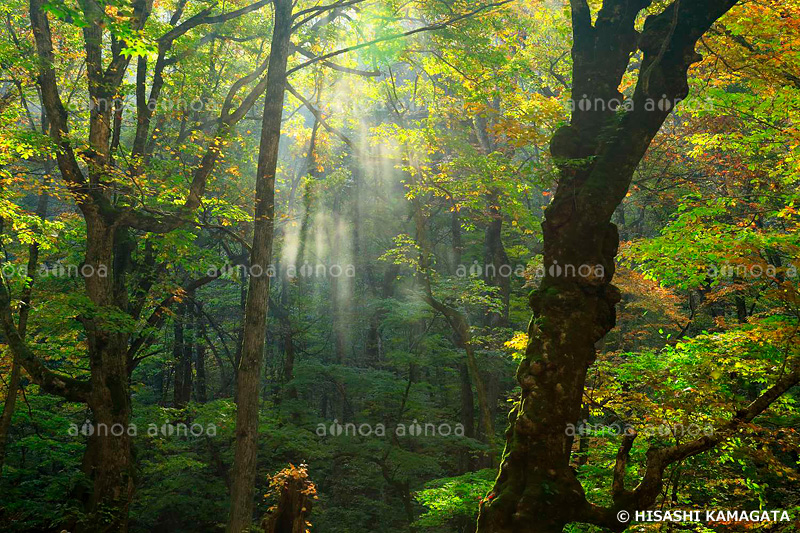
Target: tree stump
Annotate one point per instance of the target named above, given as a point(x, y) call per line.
point(294, 493)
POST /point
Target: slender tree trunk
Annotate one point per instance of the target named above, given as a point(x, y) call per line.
point(237, 356)
point(287, 333)
point(200, 362)
point(467, 413)
point(8, 408)
point(374, 343)
point(486, 418)
point(339, 303)
point(497, 267)
point(467, 409)
point(288, 363)
point(244, 467)
point(467, 400)
point(188, 350)
point(179, 400)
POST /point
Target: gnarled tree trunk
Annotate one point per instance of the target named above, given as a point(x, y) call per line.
point(108, 459)
point(536, 489)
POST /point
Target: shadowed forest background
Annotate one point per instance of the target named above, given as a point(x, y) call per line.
point(273, 264)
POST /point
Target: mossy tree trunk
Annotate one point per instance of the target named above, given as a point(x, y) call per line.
point(574, 307)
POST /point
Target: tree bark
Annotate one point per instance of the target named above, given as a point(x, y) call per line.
point(200, 359)
point(467, 413)
point(183, 351)
point(496, 262)
point(108, 460)
point(246, 448)
point(8, 408)
point(179, 397)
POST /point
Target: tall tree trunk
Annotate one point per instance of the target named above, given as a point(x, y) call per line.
point(237, 356)
point(458, 322)
point(467, 408)
point(108, 460)
point(496, 263)
point(283, 313)
point(281, 310)
point(467, 413)
point(374, 341)
point(188, 349)
point(288, 363)
point(536, 489)
point(200, 360)
point(179, 398)
point(244, 466)
point(8, 408)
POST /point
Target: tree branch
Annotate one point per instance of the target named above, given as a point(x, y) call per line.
point(658, 459)
point(159, 315)
point(334, 66)
point(204, 18)
point(431, 27)
point(318, 115)
point(50, 98)
point(51, 382)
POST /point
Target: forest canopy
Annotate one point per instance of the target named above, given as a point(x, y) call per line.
point(345, 266)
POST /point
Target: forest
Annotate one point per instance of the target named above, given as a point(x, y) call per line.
point(399, 266)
